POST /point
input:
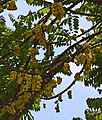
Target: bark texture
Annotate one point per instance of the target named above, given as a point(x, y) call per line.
point(96, 1)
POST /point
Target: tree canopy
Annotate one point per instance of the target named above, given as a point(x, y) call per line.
point(29, 64)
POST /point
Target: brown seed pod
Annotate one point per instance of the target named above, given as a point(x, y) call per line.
point(69, 93)
point(60, 97)
point(44, 105)
point(57, 108)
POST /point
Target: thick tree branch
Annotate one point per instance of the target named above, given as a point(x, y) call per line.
point(28, 103)
point(96, 1)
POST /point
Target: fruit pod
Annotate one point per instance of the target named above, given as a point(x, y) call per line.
point(44, 105)
point(57, 108)
point(60, 98)
point(69, 93)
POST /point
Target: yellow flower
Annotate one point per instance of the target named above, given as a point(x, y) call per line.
point(87, 67)
point(26, 96)
point(57, 10)
point(48, 90)
point(8, 109)
point(16, 50)
point(53, 84)
point(19, 78)
point(33, 52)
point(40, 35)
point(27, 77)
point(13, 75)
point(36, 83)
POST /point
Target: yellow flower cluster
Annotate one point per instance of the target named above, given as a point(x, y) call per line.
point(48, 90)
point(44, 27)
point(23, 79)
point(53, 84)
point(13, 75)
point(26, 96)
point(29, 33)
point(27, 82)
point(77, 76)
point(11, 5)
point(87, 67)
point(33, 52)
point(19, 78)
point(40, 35)
point(38, 31)
point(66, 67)
point(57, 10)
point(8, 109)
point(36, 83)
point(80, 59)
point(19, 104)
point(16, 50)
point(88, 56)
point(1, 9)
point(27, 79)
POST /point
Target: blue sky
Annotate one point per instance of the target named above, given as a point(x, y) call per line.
point(69, 108)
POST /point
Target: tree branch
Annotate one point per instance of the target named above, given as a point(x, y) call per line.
point(56, 61)
point(32, 97)
point(85, 14)
point(96, 1)
point(73, 83)
point(45, 1)
point(89, 29)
